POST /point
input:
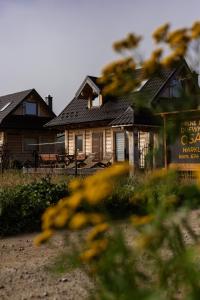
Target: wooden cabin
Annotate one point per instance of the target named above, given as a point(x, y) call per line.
point(102, 125)
point(22, 117)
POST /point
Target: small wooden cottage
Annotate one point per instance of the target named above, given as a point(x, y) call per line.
point(101, 125)
point(22, 116)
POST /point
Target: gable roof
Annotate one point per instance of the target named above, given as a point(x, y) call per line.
point(77, 111)
point(14, 100)
point(92, 81)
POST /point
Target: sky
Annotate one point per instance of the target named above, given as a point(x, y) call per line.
point(51, 45)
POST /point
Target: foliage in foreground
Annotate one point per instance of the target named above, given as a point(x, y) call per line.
point(148, 258)
point(159, 257)
point(21, 207)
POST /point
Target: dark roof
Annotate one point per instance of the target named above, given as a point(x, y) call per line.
point(77, 110)
point(126, 118)
point(11, 101)
point(14, 100)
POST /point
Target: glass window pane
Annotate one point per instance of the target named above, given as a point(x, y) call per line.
point(79, 143)
point(30, 108)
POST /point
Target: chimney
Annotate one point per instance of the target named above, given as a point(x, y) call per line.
point(49, 102)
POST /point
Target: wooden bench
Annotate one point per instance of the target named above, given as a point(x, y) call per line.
point(47, 160)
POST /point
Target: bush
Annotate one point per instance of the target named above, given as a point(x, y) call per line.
point(21, 207)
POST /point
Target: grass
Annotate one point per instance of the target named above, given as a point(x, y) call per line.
point(11, 178)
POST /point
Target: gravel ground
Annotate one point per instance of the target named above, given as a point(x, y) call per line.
point(24, 272)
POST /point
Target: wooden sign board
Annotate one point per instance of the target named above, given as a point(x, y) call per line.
point(186, 149)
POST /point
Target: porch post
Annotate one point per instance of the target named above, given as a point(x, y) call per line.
point(135, 149)
point(165, 140)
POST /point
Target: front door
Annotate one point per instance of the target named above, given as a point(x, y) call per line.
point(97, 145)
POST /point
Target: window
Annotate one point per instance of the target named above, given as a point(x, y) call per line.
point(5, 106)
point(175, 88)
point(96, 101)
point(30, 108)
point(79, 143)
point(30, 144)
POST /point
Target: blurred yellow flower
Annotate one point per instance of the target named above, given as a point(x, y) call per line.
point(97, 231)
point(178, 37)
point(75, 184)
point(170, 60)
point(195, 30)
point(43, 237)
point(96, 194)
point(130, 42)
point(78, 221)
point(143, 241)
point(95, 218)
point(141, 220)
point(89, 254)
point(160, 33)
point(156, 54)
point(61, 219)
point(74, 200)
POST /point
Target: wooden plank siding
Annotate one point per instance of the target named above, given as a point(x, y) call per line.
point(1, 138)
point(15, 143)
point(87, 139)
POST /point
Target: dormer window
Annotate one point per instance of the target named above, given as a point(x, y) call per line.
point(30, 108)
point(96, 101)
point(173, 90)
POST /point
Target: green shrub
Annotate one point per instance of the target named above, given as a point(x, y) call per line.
point(21, 207)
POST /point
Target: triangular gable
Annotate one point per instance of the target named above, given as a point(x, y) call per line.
point(15, 100)
point(88, 80)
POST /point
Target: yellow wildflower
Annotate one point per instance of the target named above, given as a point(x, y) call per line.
point(156, 54)
point(43, 237)
point(95, 218)
point(100, 245)
point(61, 219)
point(78, 221)
point(141, 220)
point(50, 212)
point(143, 241)
point(62, 203)
point(74, 200)
point(89, 254)
point(195, 30)
point(48, 217)
point(97, 193)
point(150, 66)
point(170, 60)
point(130, 42)
point(75, 184)
point(161, 32)
point(94, 251)
point(97, 231)
point(178, 37)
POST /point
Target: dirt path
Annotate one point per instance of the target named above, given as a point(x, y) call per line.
point(24, 272)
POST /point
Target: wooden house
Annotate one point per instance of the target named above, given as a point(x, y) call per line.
point(22, 116)
point(101, 125)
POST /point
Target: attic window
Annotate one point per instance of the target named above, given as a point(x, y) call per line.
point(175, 88)
point(30, 108)
point(96, 101)
point(5, 106)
